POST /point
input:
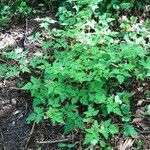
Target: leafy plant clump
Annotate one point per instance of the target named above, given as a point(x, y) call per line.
point(10, 9)
point(82, 72)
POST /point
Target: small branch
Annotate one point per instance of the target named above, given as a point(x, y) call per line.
point(15, 88)
point(52, 142)
point(28, 140)
point(143, 132)
point(2, 139)
point(11, 87)
point(25, 35)
point(114, 65)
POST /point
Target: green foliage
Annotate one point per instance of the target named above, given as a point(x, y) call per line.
point(20, 65)
point(13, 8)
point(148, 110)
point(76, 77)
point(130, 131)
point(4, 18)
point(23, 8)
point(66, 146)
point(139, 144)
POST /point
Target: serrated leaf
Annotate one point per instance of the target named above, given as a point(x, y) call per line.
point(69, 125)
point(113, 129)
point(27, 86)
point(92, 134)
point(130, 131)
point(105, 133)
point(102, 143)
point(46, 45)
point(125, 108)
point(120, 78)
point(31, 118)
point(55, 115)
point(44, 25)
point(91, 112)
point(148, 109)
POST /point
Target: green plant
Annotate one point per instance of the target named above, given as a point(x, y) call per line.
point(11, 9)
point(81, 73)
point(148, 110)
point(20, 61)
point(64, 146)
point(139, 144)
point(90, 60)
point(23, 9)
point(4, 18)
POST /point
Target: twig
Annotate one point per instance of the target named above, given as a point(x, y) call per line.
point(15, 88)
point(28, 140)
point(114, 65)
point(52, 142)
point(26, 108)
point(25, 35)
point(143, 132)
point(2, 139)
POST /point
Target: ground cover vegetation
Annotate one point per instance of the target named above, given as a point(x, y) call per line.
point(81, 76)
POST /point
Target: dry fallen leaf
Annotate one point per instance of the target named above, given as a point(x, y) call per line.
point(126, 145)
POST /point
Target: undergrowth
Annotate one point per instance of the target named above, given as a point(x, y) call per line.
point(22, 9)
point(79, 77)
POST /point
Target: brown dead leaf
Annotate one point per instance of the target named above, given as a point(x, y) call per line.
point(137, 120)
point(126, 145)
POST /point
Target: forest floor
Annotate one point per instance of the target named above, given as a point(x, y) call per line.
point(16, 105)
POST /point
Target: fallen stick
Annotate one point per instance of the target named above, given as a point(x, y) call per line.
point(3, 142)
point(52, 142)
point(29, 137)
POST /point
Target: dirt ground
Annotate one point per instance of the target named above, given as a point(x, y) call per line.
point(15, 133)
